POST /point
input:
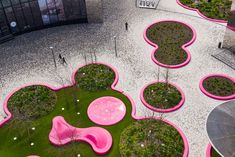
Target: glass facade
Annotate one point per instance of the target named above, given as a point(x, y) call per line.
point(18, 16)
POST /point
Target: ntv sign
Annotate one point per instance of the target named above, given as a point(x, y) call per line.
point(152, 4)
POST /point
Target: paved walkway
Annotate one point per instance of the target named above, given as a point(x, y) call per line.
point(27, 59)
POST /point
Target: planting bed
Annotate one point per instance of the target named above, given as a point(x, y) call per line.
point(170, 39)
point(162, 96)
point(218, 86)
point(64, 121)
point(216, 10)
point(151, 138)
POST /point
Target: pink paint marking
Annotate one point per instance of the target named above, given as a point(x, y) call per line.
point(62, 133)
point(183, 46)
point(208, 150)
point(106, 110)
point(198, 11)
point(176, 107)
point(212, 95)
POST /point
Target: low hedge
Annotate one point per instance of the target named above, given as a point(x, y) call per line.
point(32, 102)
point(219, 86)
point(151, 138)
point(95, 77)
point(162, 95)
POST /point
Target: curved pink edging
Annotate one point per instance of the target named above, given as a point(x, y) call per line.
point(133, 113)
point(215, 96)
point(63, 133)
point(159, 109)
point(198, 11)
point(208, 150)
point(183, 46)
point(106, 110)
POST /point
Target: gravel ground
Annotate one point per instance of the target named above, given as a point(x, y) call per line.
point(27, 59)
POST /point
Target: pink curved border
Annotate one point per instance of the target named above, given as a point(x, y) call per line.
point(198, 11)
point(214, 96)
point(208, 150)
point(159, 109)
point(183, 46)
point(133, 113)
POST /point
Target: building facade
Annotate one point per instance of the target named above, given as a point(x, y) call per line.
point(20, 16)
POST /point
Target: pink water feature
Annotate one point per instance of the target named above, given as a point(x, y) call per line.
point(62, 133)
point(106, 110)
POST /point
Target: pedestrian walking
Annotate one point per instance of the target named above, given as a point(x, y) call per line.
point(126, 25)
point(64, 61)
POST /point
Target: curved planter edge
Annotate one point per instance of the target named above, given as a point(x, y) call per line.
point(212, 95)
point(180, 104)
point(208, 150)
point(199, 13)
point(183, 46)
point(133, 113)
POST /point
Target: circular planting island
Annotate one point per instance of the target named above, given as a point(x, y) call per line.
point(215, 10)
point(218, 86)
point(151, 137)
point(170, 38)
point(94, 77)
point(162, 97)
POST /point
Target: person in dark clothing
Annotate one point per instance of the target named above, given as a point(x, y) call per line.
point(126, 25)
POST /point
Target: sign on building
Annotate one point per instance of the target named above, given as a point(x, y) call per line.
point(152, 4)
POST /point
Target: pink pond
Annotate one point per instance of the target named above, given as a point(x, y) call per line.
point(106, 110)
point(63, 133)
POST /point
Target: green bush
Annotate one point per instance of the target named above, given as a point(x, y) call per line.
point(217, 9)
point(219, 86)
point(95, 77)
point(150, 138)
point(32, 102)
point(162, 95)
point(170, 36)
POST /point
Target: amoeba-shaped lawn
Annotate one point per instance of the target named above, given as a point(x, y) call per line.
point(42, 118)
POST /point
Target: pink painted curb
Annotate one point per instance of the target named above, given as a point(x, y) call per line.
point(133, 113)
point(159, 109)
point(183, 46)
point(215, 96)
point(208, 150)
point(198, 11)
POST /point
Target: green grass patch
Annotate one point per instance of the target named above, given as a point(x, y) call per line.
point(151, 138)
point(95, 77)
point(162, 95)
point(65, 99)
point(170, 36)
point(216, 9)
point(219, 86)
point(37, 99)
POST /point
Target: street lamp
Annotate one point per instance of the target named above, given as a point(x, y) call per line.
point(53, 55)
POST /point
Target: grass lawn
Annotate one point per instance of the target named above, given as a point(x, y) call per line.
point(170, 36)
point(216, 9)
point(21, 147)
point(48, 104)
point(162, 95)
point(151, 138)
point(219, 86)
